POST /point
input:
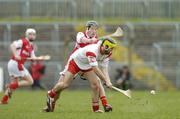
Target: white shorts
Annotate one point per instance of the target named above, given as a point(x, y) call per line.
point(65, 67)
point(63, 72)
point(14, 71)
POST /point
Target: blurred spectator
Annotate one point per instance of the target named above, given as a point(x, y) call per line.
point(123, 79)
point(37, 70)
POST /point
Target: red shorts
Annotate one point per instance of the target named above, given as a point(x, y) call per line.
point(74, 69)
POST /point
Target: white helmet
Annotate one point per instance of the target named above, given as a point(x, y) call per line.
point(31, 34)
point(30, 30)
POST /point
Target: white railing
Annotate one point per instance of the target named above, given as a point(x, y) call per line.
point(99, 9)
point(157, 58)
point(178, 75)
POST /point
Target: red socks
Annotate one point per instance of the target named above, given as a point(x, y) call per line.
point(95, 106)
point(103, 100)
point(5, 99)
point(13, 85)
point(52, 93)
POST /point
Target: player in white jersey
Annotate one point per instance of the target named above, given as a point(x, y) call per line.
point(87, 37)
point(22, 50)
point(83, 39)
point(93, 61)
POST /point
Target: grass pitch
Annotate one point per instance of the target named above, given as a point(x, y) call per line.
point(77, 105)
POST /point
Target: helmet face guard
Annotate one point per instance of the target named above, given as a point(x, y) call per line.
point(108, 45)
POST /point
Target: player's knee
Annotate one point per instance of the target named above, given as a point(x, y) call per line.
point(65, 85)
point(95, 86)
point(61, 78)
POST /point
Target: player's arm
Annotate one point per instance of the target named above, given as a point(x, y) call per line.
point(82, 39)
point(43, 57)
point(88, 40)
point(93, 62)
point(105, 72)
point(14, 46)
point(103, 76)
point(103, 66)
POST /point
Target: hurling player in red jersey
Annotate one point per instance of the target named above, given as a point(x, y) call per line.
point(22, 50)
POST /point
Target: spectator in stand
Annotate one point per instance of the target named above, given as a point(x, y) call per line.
point(37, 71)
point(123, 79)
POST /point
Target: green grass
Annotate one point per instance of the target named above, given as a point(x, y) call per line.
point(77, 105)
